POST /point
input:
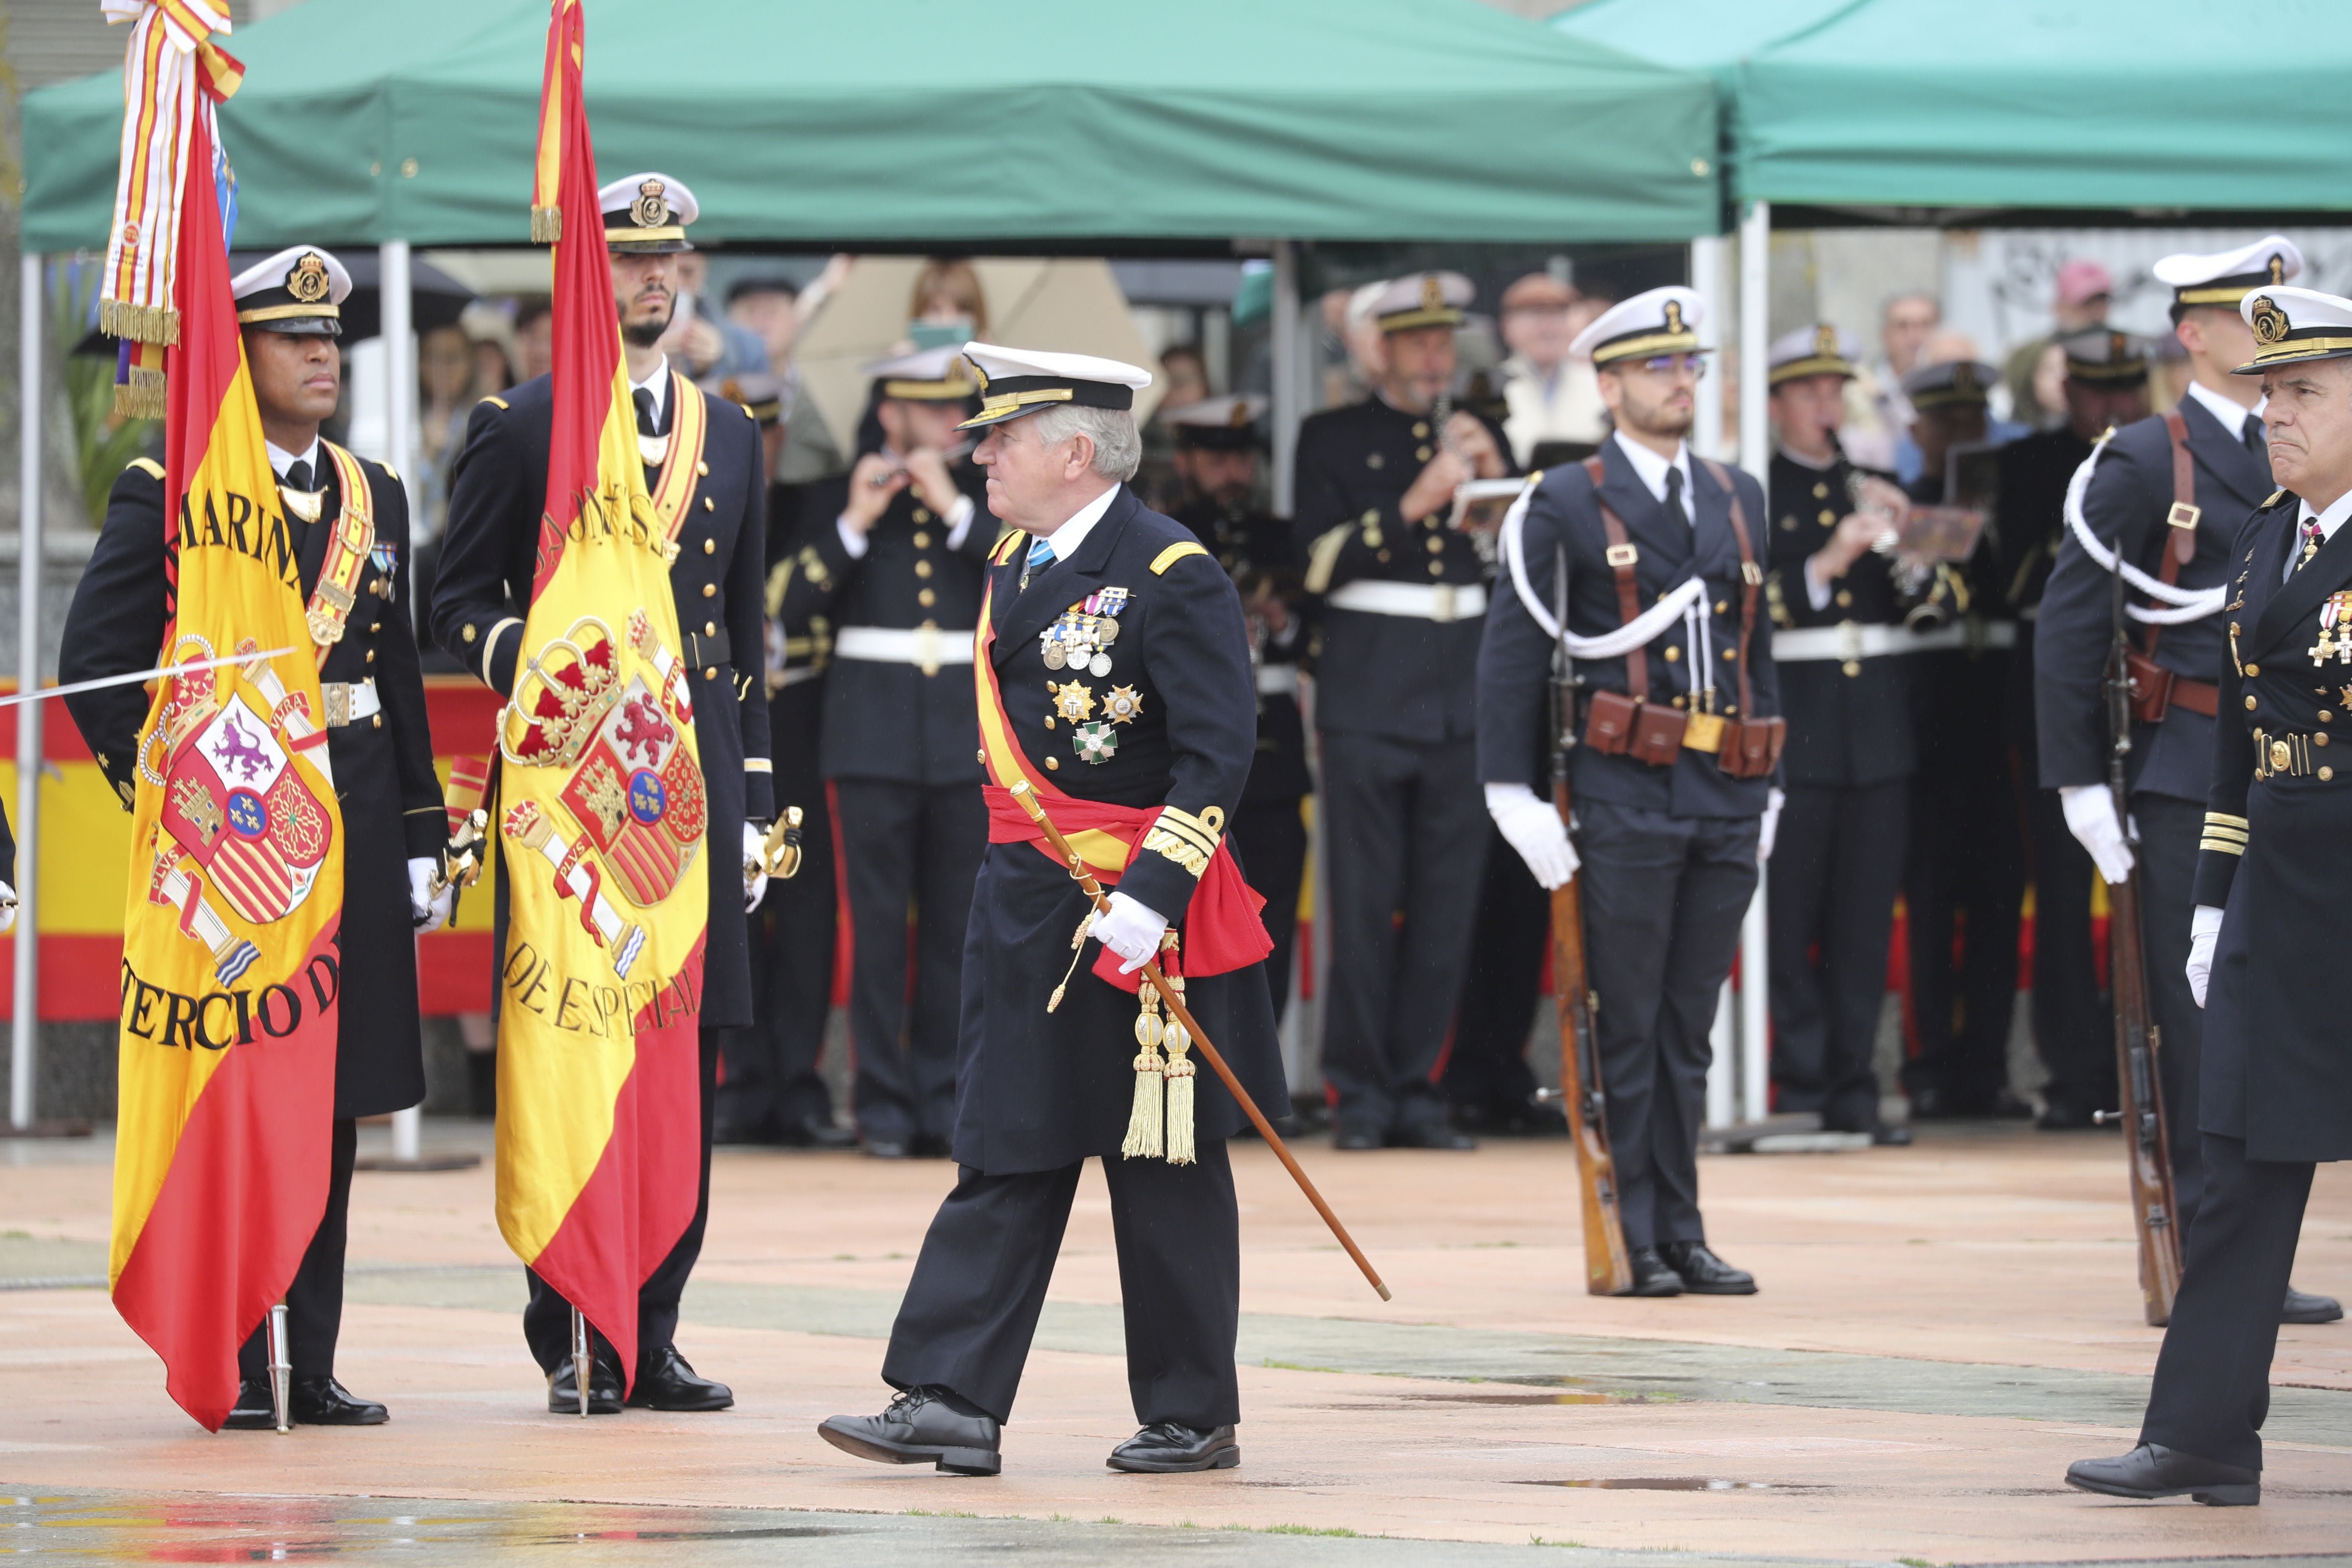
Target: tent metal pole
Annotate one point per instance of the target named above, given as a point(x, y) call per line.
point(25, 1023)
point(1756, 456)
point(1707, 258)
point(399, 361)
point(1284, 345)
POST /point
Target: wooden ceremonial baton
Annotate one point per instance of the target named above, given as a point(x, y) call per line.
point(1184, 1014)
point(2146, 1142)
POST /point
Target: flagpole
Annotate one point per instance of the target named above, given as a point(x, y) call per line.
point(25, 1020)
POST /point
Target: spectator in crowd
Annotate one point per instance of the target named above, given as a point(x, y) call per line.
point(948, 298)
point(534, 330)
point(771, 307)
point(1555, 415)
point(706, 346)
point(491, 335)
point(768, 307)
point(1184, 377)
point(2034, 376)
point(445, 390)
point(1878, 416)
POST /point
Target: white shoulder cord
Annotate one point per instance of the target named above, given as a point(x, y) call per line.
point(2192, 604)
point(1637, 633)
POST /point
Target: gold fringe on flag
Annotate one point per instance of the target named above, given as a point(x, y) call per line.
point(141, 397)
point(139, 323)
point(546, 225)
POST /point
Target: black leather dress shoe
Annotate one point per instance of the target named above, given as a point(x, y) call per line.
point(2152, 1471)
point(1884, 1135)
point(1430, 1135)
point(665, 1382)
point(919, 1426)
point(324, 1402)
point(1356, 1138)
point(255, 1411)
point(1166, 1446)
point(603, 1390)
point(817, 1133)
point(1705, 1274)
point(886, 1148)
point(1653, 1276)
point(2302, 1306)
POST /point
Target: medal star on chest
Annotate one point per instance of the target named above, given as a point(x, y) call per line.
point(1073, 703)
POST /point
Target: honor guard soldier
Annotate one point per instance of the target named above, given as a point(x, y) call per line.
point(2271, 865)
point(1840, 646)
point(1403, 595)
point(1677, 741)
point(702, 462)
point(1113, 681)
point(2073, 1033)
point(2171, 491)
point(1217, 458)
point(895, 553)
point(1967, 843)
point(348, 518)
point(772, 1092)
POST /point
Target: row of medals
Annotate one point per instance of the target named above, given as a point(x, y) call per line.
point(1079, 639)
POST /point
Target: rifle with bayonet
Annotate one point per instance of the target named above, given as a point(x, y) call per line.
point(2136, 1042)
point(1606, 1270)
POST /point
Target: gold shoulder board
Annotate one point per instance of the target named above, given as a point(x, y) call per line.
point(1172, 554)
point(499, 402)
point(147, 466)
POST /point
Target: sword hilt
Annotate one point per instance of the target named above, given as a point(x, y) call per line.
point(780, 849)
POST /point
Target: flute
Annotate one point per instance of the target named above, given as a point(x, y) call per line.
point(956, 453)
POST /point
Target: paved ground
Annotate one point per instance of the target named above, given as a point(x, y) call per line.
point(1941, 1329)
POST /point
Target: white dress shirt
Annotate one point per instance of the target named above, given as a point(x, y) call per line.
point(2330, 520)
point(657, 382)
point(1652, 469)
point(1067, 538)
point(280, 459)
point(2231, 417)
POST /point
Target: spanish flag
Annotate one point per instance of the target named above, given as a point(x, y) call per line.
point(601, 814)
point(230, 963)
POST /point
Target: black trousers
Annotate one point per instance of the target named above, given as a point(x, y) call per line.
point(1487, 1066)
point(972, 1308)
point(2073, 1028)
point(1407, 835)
point(2169, 829)
point(1965, 882)
point(1837, 865)
point(772, 1084)
point(1270, 837)
point(314, 1301)
point(2212, 1378)
point(908, 846)
point(547, 1317)
point(1664, 897)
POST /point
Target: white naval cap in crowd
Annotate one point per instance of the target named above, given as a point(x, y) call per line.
point(2227, 276)
point(1421, 300)
point(926, 376)
point(1811, 351)
point(1018, 382)
point(1659, 321)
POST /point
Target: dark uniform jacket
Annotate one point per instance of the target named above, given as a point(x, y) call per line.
point(2129, 495)
point(497, 491)
point(1037, 1090)
point(1850, 722)
point(1514, 667)
point(384, 784)
point(1398, 676)
point(2277, 855)
point(885, 721)
point(1255, 549)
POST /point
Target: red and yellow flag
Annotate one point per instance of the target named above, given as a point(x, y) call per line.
point(602, 815)
point(229, 956)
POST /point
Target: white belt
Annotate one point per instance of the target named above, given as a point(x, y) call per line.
point(928, 647)
point(1439, 601)
point(1852, 641)
point(1277, 681)
point(348, 702)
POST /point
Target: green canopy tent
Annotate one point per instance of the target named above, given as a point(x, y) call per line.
point(2147, 109)
point(929, 121)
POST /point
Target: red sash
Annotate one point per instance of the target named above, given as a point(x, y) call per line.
point(1221, 928)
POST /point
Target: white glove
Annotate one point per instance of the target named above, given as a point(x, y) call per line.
point(427, 910)
point(755, 868)
point(1131, 930)
point(1771, 827)
point(2204, 930)
point(7, 908)
point(2091, 817)
point(1535, 830)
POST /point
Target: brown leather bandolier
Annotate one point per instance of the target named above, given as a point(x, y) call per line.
point(2157, 690)
point(1628, 724)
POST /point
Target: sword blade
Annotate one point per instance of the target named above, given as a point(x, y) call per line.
point(138, 677)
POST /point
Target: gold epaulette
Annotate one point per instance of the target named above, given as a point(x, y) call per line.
point(2276, 496)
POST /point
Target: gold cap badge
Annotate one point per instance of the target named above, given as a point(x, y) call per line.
point(2270, 322)
point(307, 279)
point(651, 209)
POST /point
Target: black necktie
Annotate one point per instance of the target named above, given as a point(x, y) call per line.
point(298, 477)
point(2256, 441)
point(647, 422)
point(1674, 494)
